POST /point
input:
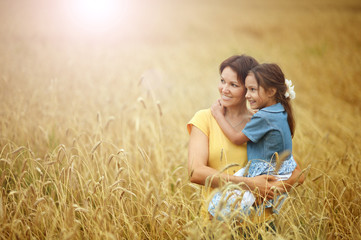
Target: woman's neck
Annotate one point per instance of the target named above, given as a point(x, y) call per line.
point(235, 112)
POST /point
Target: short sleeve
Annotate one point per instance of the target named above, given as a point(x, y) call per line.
point(201, 121)
point(256, 128)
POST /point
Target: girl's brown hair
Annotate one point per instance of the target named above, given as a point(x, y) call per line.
point(241, 64)
point(270, 75)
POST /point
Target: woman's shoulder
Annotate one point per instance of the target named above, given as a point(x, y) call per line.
point(203, 113)
point(201, 119)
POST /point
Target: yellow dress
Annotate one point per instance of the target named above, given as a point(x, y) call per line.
point(222, 152)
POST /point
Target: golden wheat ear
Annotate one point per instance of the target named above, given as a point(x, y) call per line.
point(247, 169)
point(280, 159)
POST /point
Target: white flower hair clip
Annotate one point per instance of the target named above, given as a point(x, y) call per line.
point(290, 92)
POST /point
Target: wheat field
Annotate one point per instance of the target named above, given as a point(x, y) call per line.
point(93, 140)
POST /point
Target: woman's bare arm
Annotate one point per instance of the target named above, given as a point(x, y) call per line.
point(297, 177)
point(199, 170)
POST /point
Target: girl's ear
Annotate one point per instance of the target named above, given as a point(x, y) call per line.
point(271, 92)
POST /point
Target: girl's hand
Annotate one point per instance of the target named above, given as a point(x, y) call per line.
point(217, 109)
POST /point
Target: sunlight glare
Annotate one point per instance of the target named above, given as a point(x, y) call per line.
point(98, 15)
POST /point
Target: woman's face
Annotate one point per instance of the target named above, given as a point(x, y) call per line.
point(231, 90)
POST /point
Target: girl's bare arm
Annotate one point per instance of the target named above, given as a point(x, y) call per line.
point(236, 137)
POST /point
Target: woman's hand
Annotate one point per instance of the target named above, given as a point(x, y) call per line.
point(217, 109)
point(262, 185)
point(297, 178)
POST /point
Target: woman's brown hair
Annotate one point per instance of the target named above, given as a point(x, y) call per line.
point(241, 64)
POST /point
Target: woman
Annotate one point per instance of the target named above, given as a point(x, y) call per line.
point(210, 151)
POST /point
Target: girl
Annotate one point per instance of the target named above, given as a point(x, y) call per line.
point(268, 133)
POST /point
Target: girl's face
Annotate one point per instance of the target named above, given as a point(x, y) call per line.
point(231, 90)
point(256, 95)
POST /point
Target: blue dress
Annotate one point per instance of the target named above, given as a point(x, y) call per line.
point(269, 133)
